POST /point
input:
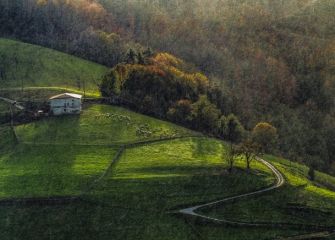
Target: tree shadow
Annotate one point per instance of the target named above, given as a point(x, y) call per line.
point(34, 170)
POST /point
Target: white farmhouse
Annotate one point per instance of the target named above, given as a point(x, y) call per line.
point(66, 103)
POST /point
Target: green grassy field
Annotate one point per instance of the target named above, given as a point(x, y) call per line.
point(67, 153)
point(98, 124)
point(30, 171)
point(133, 200)
point(176, 173)
point(34, 66)
point(300, 201)
point(7, 139)
point(63, 156)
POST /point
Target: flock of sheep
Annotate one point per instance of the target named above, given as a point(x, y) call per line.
point(142, 130)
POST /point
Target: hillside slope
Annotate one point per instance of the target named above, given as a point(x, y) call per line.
point(131, 197)
point(29, 65)
point(273, 60)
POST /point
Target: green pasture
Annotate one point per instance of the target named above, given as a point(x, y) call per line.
point(32, 171)
point(98, 124)
point(27, 65)
point(300, 201)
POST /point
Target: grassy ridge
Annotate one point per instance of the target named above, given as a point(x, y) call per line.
point(34, 66)
point(98, 124)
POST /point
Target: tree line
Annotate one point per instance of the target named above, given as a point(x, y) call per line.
point(160, 85)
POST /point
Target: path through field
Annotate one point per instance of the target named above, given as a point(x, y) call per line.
point(191, 211)
point(280, 181)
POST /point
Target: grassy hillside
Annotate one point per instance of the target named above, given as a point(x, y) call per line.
point(98, 124)
point(63, 156)
point(29, 65)
point(273, 60)
point(68, 153)
point(7, 139)
point(29, 171)
point(299, 201)
point(176, 173)
point(147, 182)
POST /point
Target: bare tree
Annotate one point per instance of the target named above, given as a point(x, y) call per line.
point(250, 150)
point(230, 156)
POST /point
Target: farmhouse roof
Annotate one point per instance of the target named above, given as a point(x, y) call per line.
point(66, 95)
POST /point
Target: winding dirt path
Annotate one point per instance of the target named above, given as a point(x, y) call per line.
point(280, 181)
point(192, 211)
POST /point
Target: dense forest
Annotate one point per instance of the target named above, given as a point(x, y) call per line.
point(267, 61)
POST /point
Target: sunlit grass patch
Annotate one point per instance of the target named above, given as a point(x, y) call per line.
point(299, 201)
point(99, 124)
point(297, 175)
point(173, 173)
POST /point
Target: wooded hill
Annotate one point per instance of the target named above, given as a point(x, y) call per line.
point(274, 61)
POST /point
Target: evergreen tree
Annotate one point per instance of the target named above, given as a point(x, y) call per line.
point(131, 57)
point(148, 53)
point(108, 85)
point(140, 58)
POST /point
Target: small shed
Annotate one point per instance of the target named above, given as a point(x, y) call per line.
point(66, 103)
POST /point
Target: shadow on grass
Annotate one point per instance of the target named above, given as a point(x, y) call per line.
point(171, 191)
point(34, 171)
point(288, 205)
point(86, 221)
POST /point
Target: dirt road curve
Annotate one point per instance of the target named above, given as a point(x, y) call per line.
point(191, 211)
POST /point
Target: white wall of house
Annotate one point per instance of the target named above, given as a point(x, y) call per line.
point(65, 106)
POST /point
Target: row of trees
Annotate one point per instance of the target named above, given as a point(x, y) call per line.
point(82, 28)
point(262, 139)
point(162, 88)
